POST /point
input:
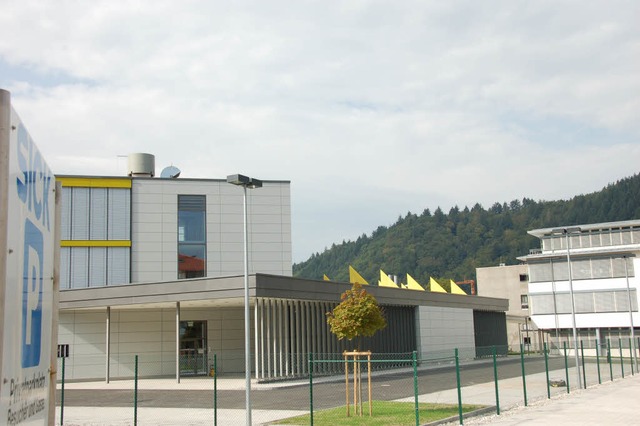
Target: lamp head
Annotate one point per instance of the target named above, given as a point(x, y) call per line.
point(240, 180)
point(245, 181)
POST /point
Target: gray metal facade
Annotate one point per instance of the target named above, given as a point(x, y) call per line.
point(289, 318)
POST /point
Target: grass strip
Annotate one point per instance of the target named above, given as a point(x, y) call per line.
point(385, 413)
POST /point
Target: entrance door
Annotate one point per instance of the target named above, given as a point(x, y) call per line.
point(193, 348)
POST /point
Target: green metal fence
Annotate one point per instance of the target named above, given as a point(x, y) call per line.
point(413, 387)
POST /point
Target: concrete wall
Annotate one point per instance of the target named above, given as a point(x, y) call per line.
point(150, 334)
point(504, 281)
point(517, 330)
point(154, 229)
point(84, 332)
point(443, 329)
point(225, 335)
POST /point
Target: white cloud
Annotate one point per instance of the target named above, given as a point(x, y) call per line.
point(370, 108)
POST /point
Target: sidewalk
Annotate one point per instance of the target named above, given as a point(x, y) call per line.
point(612, 403)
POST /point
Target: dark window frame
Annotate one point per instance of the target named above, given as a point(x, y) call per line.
point(192, 241)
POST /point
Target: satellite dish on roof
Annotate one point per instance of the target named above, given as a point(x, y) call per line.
point(170, 172)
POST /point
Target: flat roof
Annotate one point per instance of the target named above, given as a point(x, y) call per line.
point(587, 227)
point(629, 250)
point(229, 292)
point(157, 178)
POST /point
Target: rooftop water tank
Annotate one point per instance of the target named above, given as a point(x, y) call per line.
point(141, 165)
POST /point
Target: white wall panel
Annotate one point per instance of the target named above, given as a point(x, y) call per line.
point(444, 329)
point(152, 199)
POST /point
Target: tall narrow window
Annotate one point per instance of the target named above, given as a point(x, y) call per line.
point(192, 244)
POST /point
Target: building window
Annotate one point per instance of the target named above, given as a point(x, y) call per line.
point(82, 267)
point(588, 302)
point(103, 217)
point(523, 277)
point(524, 301)
point(96, 213)
point(192, 241)
point(583, 268)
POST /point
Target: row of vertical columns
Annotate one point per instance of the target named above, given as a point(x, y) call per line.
point(286, 332)
point(408, 333)
point(108, 345)
point(256, 336)
point(260, 332)
point(178, 342)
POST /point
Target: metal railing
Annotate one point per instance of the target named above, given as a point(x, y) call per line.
point(409, 383)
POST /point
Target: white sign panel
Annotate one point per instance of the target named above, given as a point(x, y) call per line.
point(28, 301)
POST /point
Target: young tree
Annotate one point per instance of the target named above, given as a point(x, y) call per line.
point(357, 315)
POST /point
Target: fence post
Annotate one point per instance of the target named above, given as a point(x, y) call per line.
point(369, 383)
point(135, 393)
point(609, 358)
point(495, 379)
point(524, 381)
point(546, 368)
point(458, 383)
point(311, 387)
point(414, 357)
point(62, 395)
point(621, 361)
point(598, 361)
point(566, 366)
point(346, 381)
point(215, 389)
point(584, 371)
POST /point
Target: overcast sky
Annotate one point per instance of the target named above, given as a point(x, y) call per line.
point(371, 108)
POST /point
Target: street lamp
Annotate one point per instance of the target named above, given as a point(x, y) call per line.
point(566, 232)
point(246, 182)
point(633, 337)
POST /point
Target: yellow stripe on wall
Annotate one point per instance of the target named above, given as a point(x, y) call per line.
point(95, 243)
point(95, 182)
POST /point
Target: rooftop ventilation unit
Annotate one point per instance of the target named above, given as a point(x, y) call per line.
point(141, 165)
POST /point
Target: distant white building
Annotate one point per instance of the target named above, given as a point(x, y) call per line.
point(604, 258)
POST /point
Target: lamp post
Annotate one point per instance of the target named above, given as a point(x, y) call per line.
point(633, 337)
point(246, 182)
point(555, 307)
point(566, 232)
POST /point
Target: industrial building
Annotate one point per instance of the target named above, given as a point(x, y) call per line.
point(154, 267)
point(512, 282)
point(597, 295)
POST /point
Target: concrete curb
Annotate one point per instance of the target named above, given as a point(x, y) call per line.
point(474, 413)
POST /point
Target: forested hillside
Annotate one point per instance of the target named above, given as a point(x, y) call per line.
point(453, 244)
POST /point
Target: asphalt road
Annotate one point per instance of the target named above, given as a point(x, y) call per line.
point(326, 394)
